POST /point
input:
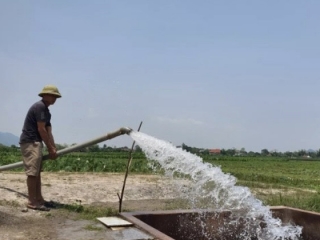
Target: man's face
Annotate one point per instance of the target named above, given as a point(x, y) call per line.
point(51, 99)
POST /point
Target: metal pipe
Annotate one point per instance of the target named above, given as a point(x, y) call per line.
point(121, 131)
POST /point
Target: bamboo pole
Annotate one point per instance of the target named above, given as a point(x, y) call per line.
point(126, 175)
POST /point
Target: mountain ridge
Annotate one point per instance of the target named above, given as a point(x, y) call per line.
point(8, 139)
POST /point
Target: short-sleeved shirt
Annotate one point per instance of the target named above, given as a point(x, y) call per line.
point(38, 112)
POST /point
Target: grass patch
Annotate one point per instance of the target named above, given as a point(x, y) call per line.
point(88, 212)
point(174, 204)
point(303, 201)
point(91, 227)
point(9, 203)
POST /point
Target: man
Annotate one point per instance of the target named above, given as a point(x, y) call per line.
point(36, 130)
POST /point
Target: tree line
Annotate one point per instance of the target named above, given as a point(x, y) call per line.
point(264, 152)
point(199, 151)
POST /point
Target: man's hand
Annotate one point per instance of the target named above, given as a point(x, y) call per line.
point(52, 153)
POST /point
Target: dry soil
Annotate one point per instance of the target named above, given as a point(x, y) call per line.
point(142, 192)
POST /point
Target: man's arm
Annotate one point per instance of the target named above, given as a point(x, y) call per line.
point(51, 139)
point(47, 138)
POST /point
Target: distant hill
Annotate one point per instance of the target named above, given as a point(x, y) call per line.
point(8, 139)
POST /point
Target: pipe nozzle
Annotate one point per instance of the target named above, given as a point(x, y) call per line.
point(125, 130)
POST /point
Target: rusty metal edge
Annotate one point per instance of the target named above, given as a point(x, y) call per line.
point(130, 216)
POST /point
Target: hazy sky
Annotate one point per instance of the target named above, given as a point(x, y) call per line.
point(211, 74)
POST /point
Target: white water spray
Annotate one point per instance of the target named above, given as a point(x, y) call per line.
point(210, 188)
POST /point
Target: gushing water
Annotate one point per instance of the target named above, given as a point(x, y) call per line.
point(210, 188)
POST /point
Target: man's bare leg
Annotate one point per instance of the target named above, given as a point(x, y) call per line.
point(39, 192)
point(32, 190)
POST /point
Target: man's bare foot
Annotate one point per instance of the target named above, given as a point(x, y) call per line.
point(38, 207)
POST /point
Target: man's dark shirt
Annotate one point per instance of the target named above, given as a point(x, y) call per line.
point(38, 112)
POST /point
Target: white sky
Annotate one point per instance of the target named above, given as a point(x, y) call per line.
point(211, 74)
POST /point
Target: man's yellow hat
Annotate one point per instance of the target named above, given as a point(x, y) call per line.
point(51, 90)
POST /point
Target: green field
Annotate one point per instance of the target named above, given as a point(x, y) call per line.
point(274, 180)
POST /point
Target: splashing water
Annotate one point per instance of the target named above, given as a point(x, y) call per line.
point(211, 188)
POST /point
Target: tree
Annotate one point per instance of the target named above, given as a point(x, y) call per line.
point(223, 152)
point(302, 153)
point(94, 148)
point(61, 146)
point(138, 148)
point(185, 147)
point(231, 152)
point(288, 154)
point(264, 152)
point(318, 153)
point(243, 151)
point(252, 154)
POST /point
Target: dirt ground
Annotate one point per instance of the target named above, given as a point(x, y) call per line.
point(142, 192)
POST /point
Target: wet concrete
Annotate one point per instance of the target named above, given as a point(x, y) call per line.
point(99, 232)
point(130, 233)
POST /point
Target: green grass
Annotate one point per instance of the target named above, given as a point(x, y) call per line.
point(86, 162)
point(306, 201)
point(91, 227)
point(86, 212)
point(276, 171)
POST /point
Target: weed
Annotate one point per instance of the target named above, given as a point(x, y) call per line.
point(92, 228)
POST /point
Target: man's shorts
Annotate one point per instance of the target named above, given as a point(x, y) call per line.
point(32, 157)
